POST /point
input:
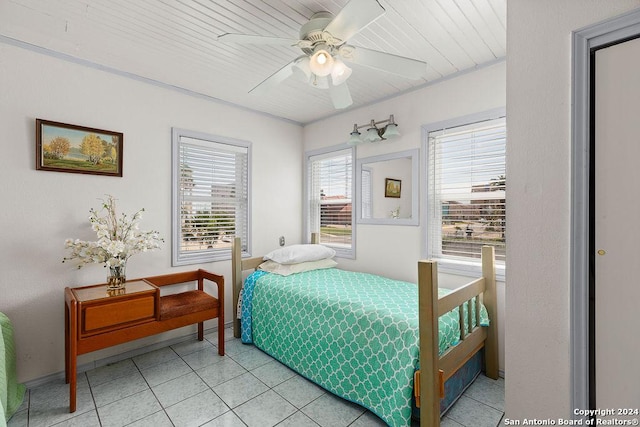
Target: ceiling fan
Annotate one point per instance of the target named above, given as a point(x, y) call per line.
point(323, 40)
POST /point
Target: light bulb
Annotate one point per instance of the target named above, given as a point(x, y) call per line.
point(321, 58)
point(321, 62)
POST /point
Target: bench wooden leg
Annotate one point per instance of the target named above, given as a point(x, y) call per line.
point(221, 335)
point(71, 354)
point(66, 343)
point(200, 331)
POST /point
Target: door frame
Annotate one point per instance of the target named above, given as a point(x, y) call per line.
point(585, 42)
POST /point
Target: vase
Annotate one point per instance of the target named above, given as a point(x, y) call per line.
point(117, 277)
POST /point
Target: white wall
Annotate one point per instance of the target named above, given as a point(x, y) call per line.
point(41, 208)
point(377, 245)
point(538, 206)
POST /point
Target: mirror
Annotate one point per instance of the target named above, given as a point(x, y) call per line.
point(387, 189)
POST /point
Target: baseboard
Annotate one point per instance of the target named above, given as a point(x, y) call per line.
point(118, 357)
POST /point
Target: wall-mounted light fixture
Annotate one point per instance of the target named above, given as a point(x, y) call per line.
point(374, 133)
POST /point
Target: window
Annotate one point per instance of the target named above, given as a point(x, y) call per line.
point(329, 198)
point(210, 196)
point(466, 189)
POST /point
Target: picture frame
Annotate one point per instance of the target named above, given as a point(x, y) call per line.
point(63, 147)
point(392, 187)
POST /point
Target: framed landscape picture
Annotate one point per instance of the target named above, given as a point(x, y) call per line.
point(392, 187)
point(77, 149)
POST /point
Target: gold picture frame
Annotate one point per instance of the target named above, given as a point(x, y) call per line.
point(392, 187)
point(63, 147)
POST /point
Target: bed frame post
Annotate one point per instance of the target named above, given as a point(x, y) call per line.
point(428, 318)
point(236, 273)
point(491, 303)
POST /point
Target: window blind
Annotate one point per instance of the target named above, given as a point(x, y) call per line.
point(467, 190)
point(330, 198)
point(213, 189)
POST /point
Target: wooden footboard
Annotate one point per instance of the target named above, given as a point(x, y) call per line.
point(434, 370)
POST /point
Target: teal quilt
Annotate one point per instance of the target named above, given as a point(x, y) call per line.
point(355, 334)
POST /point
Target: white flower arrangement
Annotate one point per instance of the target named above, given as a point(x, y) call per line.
point(395, 214)
point(118, 238)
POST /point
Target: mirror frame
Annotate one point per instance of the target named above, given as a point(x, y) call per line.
point(414, 155)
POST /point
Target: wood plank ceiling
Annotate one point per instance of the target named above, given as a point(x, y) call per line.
point(174, 42)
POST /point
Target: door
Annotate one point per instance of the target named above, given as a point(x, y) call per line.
point(617, 227)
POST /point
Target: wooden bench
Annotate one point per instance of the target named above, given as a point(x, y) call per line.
point(96, 318)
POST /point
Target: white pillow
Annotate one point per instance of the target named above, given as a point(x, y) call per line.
point(287, 269)
point(294, 254)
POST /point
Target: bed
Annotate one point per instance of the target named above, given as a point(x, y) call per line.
point(390, 388)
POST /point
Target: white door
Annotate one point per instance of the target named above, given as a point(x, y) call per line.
point(617, 226)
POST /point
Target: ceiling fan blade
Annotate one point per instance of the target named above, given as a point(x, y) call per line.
point(354, 17)
point(273, 80)
point(253, 39)
point(400, 65)
point(340, 96)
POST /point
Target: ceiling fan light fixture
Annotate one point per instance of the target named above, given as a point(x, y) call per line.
point(321, 62)
point(340, 72)
point(323, 40)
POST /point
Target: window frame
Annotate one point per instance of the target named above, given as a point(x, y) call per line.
point(457, 266)
point(340, 252)
point(177, 257)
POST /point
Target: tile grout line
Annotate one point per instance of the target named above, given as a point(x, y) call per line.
point(152, 392)
point(485, 404)
point(95, 404)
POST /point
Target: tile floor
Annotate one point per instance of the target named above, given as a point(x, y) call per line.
point(188, 384)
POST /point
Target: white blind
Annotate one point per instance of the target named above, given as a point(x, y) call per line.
point(330, 198)
point(213, 198)
point(467, 190)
